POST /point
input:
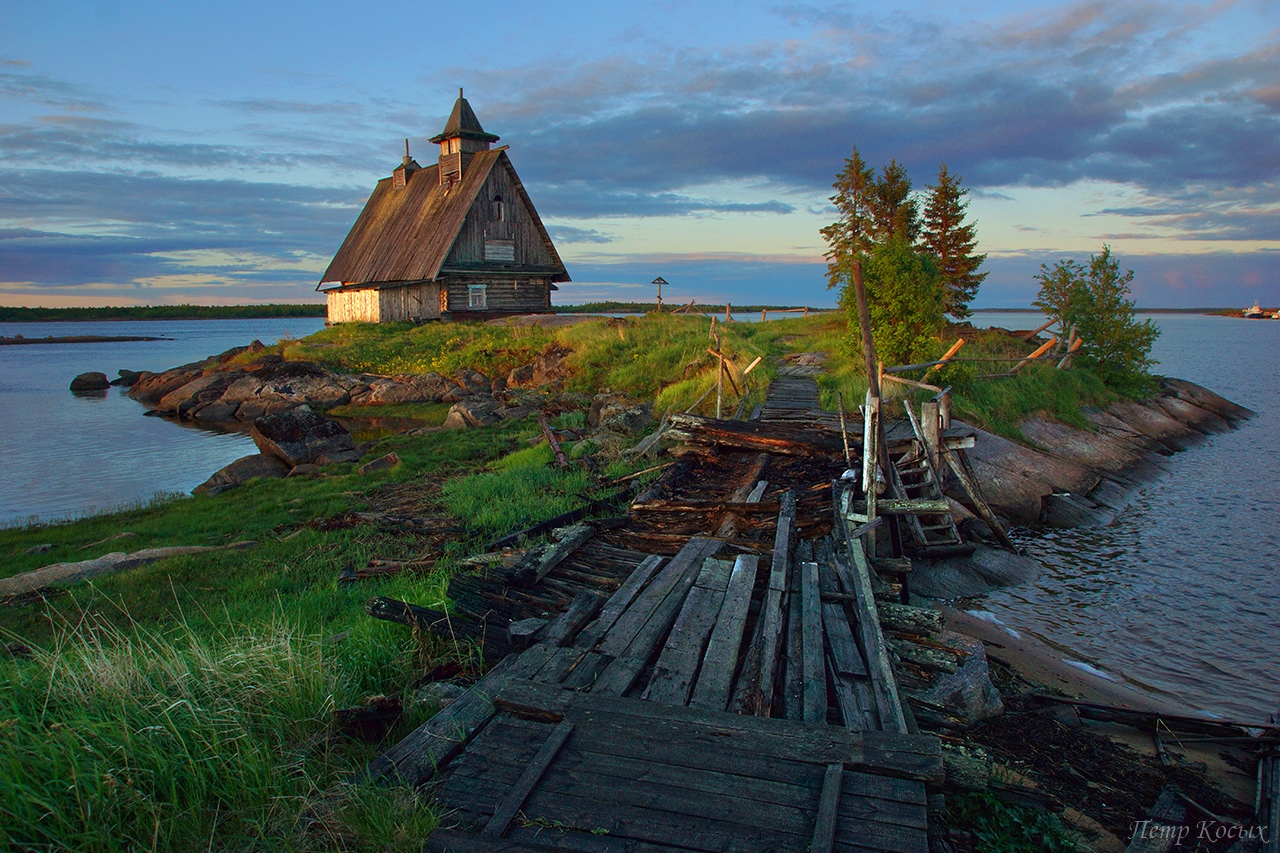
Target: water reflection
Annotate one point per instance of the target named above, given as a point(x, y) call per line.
point(1180, 594)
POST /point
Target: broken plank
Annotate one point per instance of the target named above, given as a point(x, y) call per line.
point(813, 668)
point(677, 665)
point(566, 626)
point(537, 563)
point(773, 612)
point(720, 660)
point(515, 798)
point(824, 825)
point(621, 674)
point(620, 601)
point(417, 757)
point(854, 572)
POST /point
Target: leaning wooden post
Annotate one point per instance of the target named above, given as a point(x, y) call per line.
point(550, 436)
point(864, 322)
point(955, 348)
point(871, 413)
point(1071, 351)
point(930, 418)
point(870, 461)
point(763, 311)
point(719, 376)
point(1040, 350)
point(806, 310)
point(944, 408)
point(727, 316)
point(844, 431)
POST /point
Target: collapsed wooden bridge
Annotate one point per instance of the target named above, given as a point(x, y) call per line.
point(707, 673)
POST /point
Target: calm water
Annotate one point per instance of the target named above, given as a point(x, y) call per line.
point(67, 455)
point(1181, 596)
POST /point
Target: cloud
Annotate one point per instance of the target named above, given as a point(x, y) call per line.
point(568, 234)
point(1046, 99)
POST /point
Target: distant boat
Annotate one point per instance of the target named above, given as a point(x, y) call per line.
point(1255, 313)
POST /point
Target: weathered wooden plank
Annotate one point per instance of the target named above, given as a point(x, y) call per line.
point(813, 666)
point(855, 574)
point(840, 639)
point(881, 836)
point(653, 825)
point(793, 670)
point(621, 674)
point(796, 791)
point(773, 613)
point(417, 757)
point(715, 575)
point(824, 824)
point(620, 601)
point(677, 666)
point(632, 621)
point(538, 562)
point(858, 785)
point(586, 672)
point(559, 665)
point(511, 804)
point(723, 805)
point(565, 627)
point(889, 812)
point(721, 657)
point(456, 841)
point(907, 756)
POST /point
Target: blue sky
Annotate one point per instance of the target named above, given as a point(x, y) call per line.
point(218, 152)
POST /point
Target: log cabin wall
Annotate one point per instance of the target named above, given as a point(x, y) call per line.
point(503, 295)
point(506, 225)
point(410, 303)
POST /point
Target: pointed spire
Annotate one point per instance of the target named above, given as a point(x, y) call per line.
point(407, 159)
point(463, 124)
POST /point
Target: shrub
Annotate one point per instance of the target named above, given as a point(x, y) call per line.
point(1116, 346)
point(904, 301)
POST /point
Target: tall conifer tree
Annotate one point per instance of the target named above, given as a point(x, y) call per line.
point(895, 215)
point(850, 235)
point(952, 241)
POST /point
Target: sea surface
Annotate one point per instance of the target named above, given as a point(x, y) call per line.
point(1181, 595)
point(65, 455)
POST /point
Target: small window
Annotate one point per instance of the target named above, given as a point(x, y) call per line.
point(496, 212)
point(476, 296)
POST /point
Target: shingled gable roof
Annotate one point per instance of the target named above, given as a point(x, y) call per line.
point(406, 235)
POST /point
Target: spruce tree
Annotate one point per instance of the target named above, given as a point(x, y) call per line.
point(850, 235)
point(895, 215)
point(951, 242)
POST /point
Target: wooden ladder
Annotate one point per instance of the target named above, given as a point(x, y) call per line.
point(914, 476)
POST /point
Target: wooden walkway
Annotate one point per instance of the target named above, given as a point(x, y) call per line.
point(731, 694)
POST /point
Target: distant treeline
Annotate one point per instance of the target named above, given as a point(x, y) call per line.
point(642, 307)
point(162, 312)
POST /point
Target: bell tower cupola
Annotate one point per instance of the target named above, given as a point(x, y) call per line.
point(461, 138)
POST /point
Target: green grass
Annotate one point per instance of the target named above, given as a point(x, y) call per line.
point(1000, 828)
point(132, 739)
point(189, 699)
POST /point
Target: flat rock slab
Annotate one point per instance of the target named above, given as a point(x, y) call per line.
point(60, 574)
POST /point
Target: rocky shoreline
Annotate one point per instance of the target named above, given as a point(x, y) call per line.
point(1062, 477)
point(283, 400)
